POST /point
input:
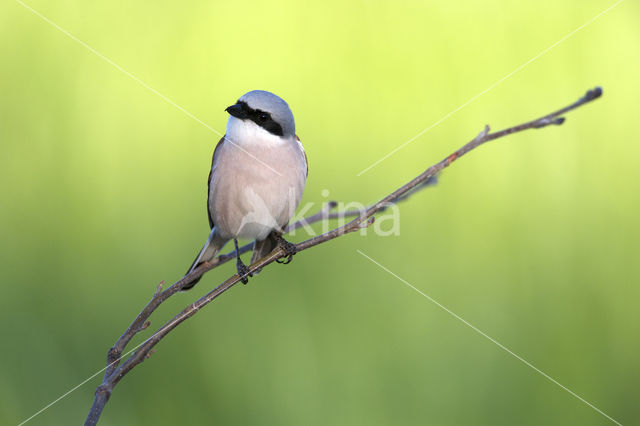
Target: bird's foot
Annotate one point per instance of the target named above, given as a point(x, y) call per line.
point(289, 250)
point(243, 272)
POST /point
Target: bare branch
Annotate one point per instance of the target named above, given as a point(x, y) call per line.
point(116, 371)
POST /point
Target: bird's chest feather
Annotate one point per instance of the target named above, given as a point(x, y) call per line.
point(256, 188)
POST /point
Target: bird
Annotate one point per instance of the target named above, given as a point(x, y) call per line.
point(258, 173)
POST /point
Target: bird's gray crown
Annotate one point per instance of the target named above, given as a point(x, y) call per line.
point(278, 110)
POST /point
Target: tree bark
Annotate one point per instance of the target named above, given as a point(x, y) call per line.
point(115, 371)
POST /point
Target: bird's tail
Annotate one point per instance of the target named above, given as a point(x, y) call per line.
point(211, 248)
point(263, 248)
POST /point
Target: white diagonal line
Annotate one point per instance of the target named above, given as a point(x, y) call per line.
point(490, 87)
point(482, 333)
point(142, 83)
point(172, 321)
point(64, 395)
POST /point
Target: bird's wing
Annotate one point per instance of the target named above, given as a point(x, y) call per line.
point(213, 160)
point(306, 162)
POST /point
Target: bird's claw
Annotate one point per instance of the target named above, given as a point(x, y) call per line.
point(243, 272)
point(289, 250)
point(285, 260)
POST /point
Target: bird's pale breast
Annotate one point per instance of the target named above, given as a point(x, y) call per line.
point(256, 188)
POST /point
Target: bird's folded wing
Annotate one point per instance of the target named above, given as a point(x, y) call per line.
point(213, 160)
point(306, 162)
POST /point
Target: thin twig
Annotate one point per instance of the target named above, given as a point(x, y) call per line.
point(115, 371)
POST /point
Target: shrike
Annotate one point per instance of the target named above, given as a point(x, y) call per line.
point(258, 174)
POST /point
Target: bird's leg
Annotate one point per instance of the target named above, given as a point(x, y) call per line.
point(289, 249)
point(243, 271)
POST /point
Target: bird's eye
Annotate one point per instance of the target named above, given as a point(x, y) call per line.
point(263, 117)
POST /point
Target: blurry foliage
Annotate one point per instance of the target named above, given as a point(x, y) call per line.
point(533, 239)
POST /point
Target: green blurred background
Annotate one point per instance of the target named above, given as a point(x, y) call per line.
point(533, 239)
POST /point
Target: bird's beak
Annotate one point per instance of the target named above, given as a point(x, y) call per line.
point(237, 111)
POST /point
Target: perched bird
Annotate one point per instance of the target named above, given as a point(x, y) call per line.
point(258, 174)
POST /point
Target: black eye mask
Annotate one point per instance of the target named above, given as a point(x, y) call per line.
point(262, 118)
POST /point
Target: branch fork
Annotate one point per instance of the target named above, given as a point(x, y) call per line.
point(116, 370)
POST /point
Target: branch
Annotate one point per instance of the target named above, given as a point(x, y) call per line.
point(361, 219)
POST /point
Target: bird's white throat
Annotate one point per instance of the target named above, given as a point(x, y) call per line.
point(246, 133)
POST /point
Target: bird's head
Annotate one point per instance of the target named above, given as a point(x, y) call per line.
point(263, 110)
